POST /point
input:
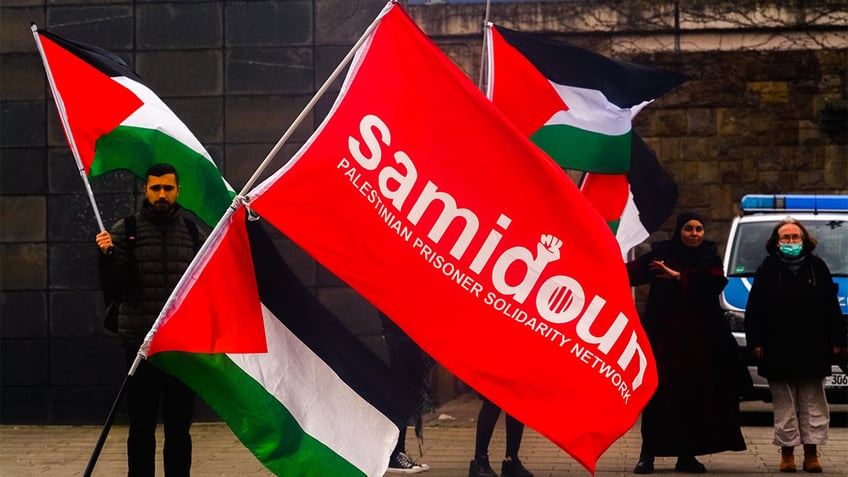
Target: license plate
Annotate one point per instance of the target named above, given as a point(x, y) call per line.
point(837, 381)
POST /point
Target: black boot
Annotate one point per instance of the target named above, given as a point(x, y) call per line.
point(645, 465)
point(480, 467)
point(690, 465)
point(514, 468)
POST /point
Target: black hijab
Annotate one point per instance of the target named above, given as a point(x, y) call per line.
point(705, 254)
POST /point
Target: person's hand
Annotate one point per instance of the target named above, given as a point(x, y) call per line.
point(758, 352)
point(104, 242)
point(662, 271)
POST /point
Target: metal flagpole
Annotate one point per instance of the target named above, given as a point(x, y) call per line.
point(483, 53)
point(60, 105)
point(299, 119)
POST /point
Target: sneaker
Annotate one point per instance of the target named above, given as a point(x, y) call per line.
point(480, 467)
point(401, 463)
point(513, 468)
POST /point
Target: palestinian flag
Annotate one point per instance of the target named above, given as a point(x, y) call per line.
point(113, 121)
point(578, 106)
point(295, 386)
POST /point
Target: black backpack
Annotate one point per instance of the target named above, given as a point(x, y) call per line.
point(111, 295)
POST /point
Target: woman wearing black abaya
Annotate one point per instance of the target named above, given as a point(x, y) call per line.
point(695, 409)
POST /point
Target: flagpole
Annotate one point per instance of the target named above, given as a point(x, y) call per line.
point(60, 105)
point(104, 433)
point(299, 119)
point(483, 53)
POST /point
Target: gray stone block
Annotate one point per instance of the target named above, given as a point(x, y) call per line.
point(73, 266)
point(269, 23)
point(87, 405)
point(23, 266)
point(327, 59)
point(203, 116)
point(64, 175)
point(23, 219)
point(106, 26)
point(76, 314)
point(24, 314)
point(22, 77)
point(23, 362)
point(244, 159)
point(71, 218)
point(179, 25)
point(344, 22)
point(269, 70)
point(265, 118)
point(72, 365)
point(15, 32)
point(182, 72)
point(23, 123)
point(25, 405)
point(22, 170)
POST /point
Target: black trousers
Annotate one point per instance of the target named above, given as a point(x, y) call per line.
point(486, 421)
point(146, 389)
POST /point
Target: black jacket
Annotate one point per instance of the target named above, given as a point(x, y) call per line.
point(795, 318)
point(163, 249)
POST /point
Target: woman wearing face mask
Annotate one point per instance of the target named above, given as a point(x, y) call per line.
point(793, 327)
point(695, 409)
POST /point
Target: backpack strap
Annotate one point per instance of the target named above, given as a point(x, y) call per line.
point(192, 230)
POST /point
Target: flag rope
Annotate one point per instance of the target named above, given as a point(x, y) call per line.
point(318, 94)
point(63, 115)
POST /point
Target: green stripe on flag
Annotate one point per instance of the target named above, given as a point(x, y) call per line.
point(202, 189)
point(575, 148)
point(260, 421)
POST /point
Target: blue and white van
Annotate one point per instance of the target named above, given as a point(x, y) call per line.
point(826, 218)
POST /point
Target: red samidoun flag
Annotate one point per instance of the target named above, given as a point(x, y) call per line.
point(419, 194)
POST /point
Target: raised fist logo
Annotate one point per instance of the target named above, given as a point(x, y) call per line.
point(549, 247)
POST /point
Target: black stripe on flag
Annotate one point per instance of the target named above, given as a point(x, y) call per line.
point(624, 84)
point(104, 60)
point(654, 190)
point(282, 292)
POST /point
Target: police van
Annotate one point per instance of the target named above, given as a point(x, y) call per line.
point(826, 218)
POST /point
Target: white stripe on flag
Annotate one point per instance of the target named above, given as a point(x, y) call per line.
point(315, 395)
point(155, 114)
point(589, 109)
point(631, 232)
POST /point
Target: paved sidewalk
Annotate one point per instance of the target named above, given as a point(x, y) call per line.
point(448, 444)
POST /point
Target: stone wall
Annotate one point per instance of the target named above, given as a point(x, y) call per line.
point(238, 73)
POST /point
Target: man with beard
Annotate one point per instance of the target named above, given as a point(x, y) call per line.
point(142, 258)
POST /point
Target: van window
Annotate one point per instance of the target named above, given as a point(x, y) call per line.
point(749, 247)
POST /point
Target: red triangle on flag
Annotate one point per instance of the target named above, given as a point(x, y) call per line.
point(522, 89)
point(607, 193)
point(220, 312)
point(94, 103)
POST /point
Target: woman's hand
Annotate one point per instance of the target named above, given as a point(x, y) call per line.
point(662, 271)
